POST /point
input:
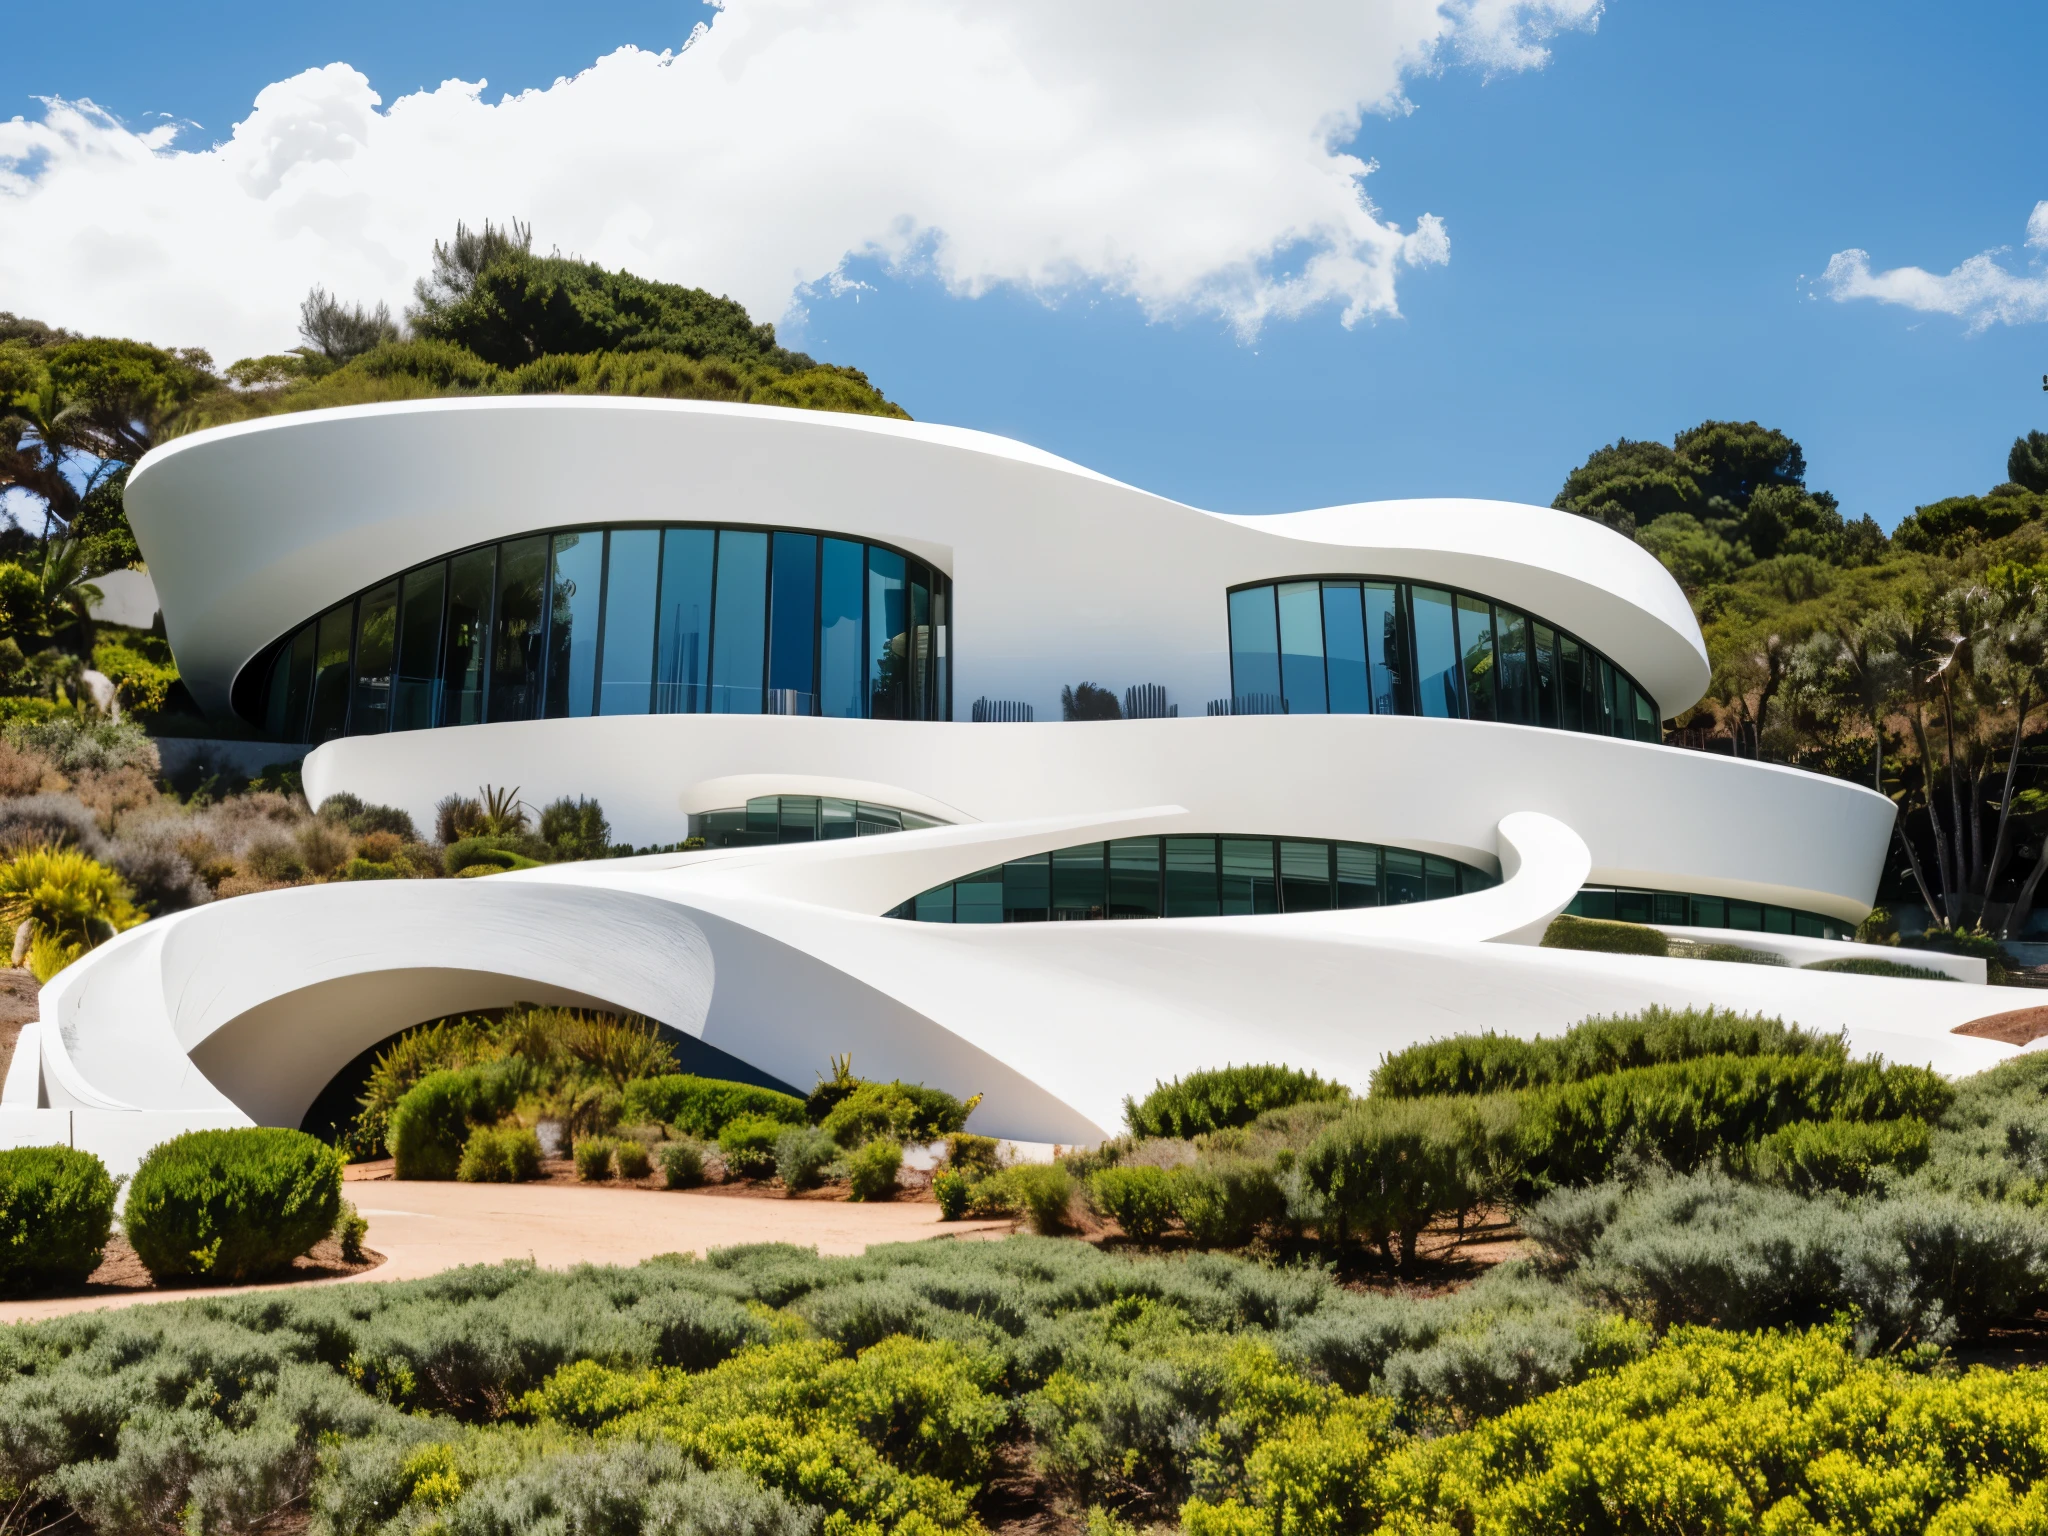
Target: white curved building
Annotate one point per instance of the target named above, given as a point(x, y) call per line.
point(1367, 753)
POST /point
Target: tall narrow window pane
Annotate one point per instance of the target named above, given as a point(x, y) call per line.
point(1358, 875)
point(799, 819)
point(835, 820)
point(839, 644)
point(520, 623)
point(376, 643)
point(1571, 684)
point(575, 594)
point(330, 673)
point(1077, 883)
point(466, 653)
point(1512, 633)
point(1475, 641)
point(1027, 889)
point(1387, 649)
point(1612, 719)
point(291, 686)
point(415, 703)
point(1544, 648)
point(632, 570)
point(793, 626)
point(942, 640)
point(888, 643)
point(1344, 644)
point(978, 898)
point(1254, 652)
point(1301, 648)
point(682, 672)
point(1305, 877)
point(1247, 876)
point(1191, 877)
point(1440, 878)
point(1436, 654)
point(1403, 876)
point(1134, 877)
point(920, 705)
point(740, 623)
point(1647, 728)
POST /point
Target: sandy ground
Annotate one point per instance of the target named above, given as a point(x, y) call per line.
point(424, 1228)
point(18, 1006)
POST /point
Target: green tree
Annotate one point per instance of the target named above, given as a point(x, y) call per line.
point(2027, 464)
point(1628, 485)
point(335, 333)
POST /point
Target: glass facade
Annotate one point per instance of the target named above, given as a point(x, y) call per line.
point(1193, 877)
point(1678, 909)
point(620, 621)
point(801, 819)
point(1355, 646)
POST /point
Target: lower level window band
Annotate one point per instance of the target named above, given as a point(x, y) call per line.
point(1136, 877)
point(1679, 909)
point(771, 819)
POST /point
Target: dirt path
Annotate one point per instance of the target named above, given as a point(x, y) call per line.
point(422, 1229)
point(18, 1006)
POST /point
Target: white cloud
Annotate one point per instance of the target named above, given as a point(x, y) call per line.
point(1189, 157)
point(1981, 290)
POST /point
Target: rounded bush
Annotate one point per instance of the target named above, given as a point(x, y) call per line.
point(950, 1190)
point(682, 1165)
point(1203, 1102)
point(748, 1146)
point(1814, 1155)
point(507, 1154)
point(230, 1204)
point(1605, 937)
point(1039, 1192)
point(872, 1170)
point(631, 1159)
point(56, 1208)
point(594, 1159)
point(704, 1106)
point(1139, 1199)
point(430, 1125)
point(802, 1155)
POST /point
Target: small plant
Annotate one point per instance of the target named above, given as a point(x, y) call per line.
point(976, 1157)
point(431, 1123)
point(950, 1190)
point(1138, 1198)
point(1892, 968)
point(872, 1170)
point(231, 1204)
point(1203, 1102)
point(56, 1209)
point(594, 1159)
point(349, 1231)
point(682, 1165)
point(499, 1154)
point(704, 1106)
point(71, 903)
point(830, 1090)
point(803, 1153)
point(1604, 937)
point(631, 1158)
point(576, 829)
point(1039, 1192)
point(748, 1146)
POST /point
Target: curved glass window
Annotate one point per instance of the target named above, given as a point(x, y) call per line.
point(619, 621)
point(1193, 877)
point(1356, 646)
point(771, 819)
point(1682, 910)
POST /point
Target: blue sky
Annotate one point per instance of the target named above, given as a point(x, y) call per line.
point(1637, 230)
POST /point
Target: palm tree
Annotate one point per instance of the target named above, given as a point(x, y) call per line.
point(2019, 655)
point(41, 432)
point(63, 596)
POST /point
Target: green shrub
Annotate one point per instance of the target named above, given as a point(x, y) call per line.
point(701, 1107)
point(504, 1154)
point(56, 1209)
point(594, 1159)
point(430, 1124)
point(1225, 1200)
point(1137, 1198)
point(872, 1170)
point(231, 1204)
point(1992, 1143)
point(1604, 937)
point(803, 1153)
point(1490, 1063)
point(1203, 1102)
point(1892, 968)
point(748, 1146)
point(484, 853)
point(950, 1188)
point(631, 1158)
point(682, 1165)
point(1845, 1155)
point(974, 1157)
point(1726, 954)
point(907, 1112)
point(831, 1090)
point(349, 1231)
point(576, 829)
point(1039, 1192)
point(1392, 1166)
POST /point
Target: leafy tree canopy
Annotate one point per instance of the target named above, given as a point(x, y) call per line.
point(2027, 464)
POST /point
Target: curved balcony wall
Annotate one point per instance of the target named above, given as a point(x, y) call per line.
point(633, 620)
point(1193, 877)
point(1361, 645)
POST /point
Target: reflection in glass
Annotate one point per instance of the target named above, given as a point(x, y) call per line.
point(1134, 877)
point(935, 906)
point(1383, 640)
point(1571, 684)
point(739, 623)
point(1027, 889)
point(793, 625)
point(1439, 878)
point(1544, 640)
point(576, 589)
point(1358, 875)
point(520, 623)
point(417, 695)
point(330, 673)
point(1077, 883)
point(1191, 877)
point(291, 687)
point(1512, 633)
point(376, 642)
point(1305, 877)
point(1254, 652)
point(839, 643)
point(799, 819)
point(888, 643)
point(631, 574)
point(1646, 718)
point(920, 644)
point(1301, 647)
point(1401, 872)
point(835, 820)
point(978, 898)
point(1436, 653)
point(1344, 645)
point(1475, 639)
point(1247, 876)
point(683, 646)
point(466, 655)
point(942, 629)
point(1604, 711)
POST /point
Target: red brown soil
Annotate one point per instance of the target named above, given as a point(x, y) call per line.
point(121, 1272)
point(18, 1006)
point(2015, 1028)
point(911, 1186)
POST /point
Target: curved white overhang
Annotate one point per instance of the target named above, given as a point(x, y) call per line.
point(1061, 573)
